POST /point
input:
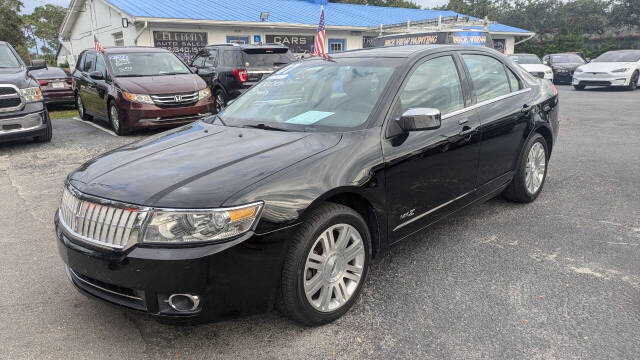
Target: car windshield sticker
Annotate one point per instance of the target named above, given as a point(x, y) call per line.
point(309, 117)
point(121, 63)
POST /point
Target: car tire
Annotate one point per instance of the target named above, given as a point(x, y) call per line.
point(82, 113)
point(531, 173)
point(47, 135)
point(633, 83)
point(320, 280)
point(220, 100)
point(579, 87)
point(114, 118)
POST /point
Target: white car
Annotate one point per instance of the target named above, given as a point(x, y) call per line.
point(613, 68)
point(533, 65)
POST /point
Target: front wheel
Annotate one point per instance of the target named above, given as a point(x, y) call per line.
point(531, 173)
point(633, 83)
point(81, 110)
point(118, 127)
point(326, 265)
point(579, 87)
point(220, 100)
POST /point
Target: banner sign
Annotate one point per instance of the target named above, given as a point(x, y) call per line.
point(296, 43)
point(184, 44)
point(464, 38)
point(368, 41)
point(469, 38)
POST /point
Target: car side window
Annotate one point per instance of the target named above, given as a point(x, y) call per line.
point(198, 61)
point(434, 84)
point(488, 76)
point(513, 80)
point(101, 67)
point(211, 59)
point(89, 61)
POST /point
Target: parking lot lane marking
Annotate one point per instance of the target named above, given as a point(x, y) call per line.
point(95, 126)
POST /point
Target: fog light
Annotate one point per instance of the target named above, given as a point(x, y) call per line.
point(184, 302)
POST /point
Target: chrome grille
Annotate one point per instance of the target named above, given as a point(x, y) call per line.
point(175, 99)
point(10, 99)
point(103, 223)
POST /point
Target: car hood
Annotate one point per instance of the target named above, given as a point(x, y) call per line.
point(536, 67)
point(566, 66)
point(16, 76)
point(152, 85)
point(196, 166)
point(606, 66)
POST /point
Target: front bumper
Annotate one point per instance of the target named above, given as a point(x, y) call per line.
point(23, 125)
point(564, 77)
point(601, 79)
point(230, 281)
point(137, 115)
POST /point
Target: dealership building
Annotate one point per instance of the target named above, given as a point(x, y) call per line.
point(186, 26)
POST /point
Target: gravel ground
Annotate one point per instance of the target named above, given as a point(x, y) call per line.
point(559, 278)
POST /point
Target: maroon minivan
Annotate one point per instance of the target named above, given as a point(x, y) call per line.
point(138, 87)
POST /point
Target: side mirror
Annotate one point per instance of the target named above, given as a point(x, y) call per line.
point(193, 69)
point(418, 119)
point(96, 75)
point(37, 65)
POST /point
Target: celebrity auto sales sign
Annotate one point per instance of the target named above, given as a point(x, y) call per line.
point(184, 44)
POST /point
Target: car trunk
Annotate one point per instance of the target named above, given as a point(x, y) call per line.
point(261, 62)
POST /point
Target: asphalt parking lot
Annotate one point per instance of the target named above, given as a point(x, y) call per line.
point(558, 278)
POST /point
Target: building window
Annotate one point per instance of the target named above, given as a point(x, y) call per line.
point(118, 39)
point(336, 45)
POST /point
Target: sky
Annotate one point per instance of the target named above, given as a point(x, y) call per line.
point(29, 5)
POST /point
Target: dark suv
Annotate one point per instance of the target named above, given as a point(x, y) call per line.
point(231, 69)
point(22, 110)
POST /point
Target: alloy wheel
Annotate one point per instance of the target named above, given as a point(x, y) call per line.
point(220, 102)
point(536, 166)
point(334, 267)
point(115, 120)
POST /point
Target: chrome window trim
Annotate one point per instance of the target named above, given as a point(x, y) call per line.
point(18, 95)
point(486, 102)
point(430, 211)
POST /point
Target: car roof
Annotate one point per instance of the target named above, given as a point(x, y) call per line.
point(407, 51)
point(133, 49)
point(49, 71)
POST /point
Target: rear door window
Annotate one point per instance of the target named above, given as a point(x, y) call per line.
point(488, 76)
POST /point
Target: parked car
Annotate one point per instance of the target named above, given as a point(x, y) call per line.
point(56, 85)
point(231, 69)
point(22, 111)
point(563, 66)
point(138, 87)
point(533, 64)
point(613, 68)
point(288, 194)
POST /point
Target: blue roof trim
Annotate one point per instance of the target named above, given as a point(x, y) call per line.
point(284, 11)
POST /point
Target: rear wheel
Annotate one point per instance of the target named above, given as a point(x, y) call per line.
point(114, 117)
point(633, 84)
point(579, 87)
point(326, 265)
point(81, 110)
point(529, 178)
point(220, 100)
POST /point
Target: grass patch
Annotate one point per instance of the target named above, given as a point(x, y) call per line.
point(62, 112)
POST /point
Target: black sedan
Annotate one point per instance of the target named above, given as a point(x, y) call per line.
point(286, 196)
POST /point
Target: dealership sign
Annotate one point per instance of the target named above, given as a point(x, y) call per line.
point(184, 44)
point(295, 43)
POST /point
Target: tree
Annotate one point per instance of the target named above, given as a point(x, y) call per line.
point(11, 26)
point(626, 13)
point(389, 3)
point(43, 24)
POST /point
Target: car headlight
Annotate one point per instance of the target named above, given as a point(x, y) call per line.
point(189, 226)
point(204, 93)
point(145, 99)
point(620, 70)
point(31, 94)
point(578, 70)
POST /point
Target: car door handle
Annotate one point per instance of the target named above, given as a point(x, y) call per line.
point(466, 131)
point(463, 121)
point(525, 108)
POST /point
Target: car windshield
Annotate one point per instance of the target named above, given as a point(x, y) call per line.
point(314, 95)
point(619, 56)
point(149, 64)
point(267, 57)
point(567, 59)
point(7, 58)
point(526, 59)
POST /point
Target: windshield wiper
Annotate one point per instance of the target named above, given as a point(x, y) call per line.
point(172, 73)
point(265, 127)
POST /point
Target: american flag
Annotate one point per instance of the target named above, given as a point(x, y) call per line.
point(318, 46)
point(97, 45)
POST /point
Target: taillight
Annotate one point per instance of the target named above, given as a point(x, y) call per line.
point(554, 88)
point(241, 74)
point(69, 81)
point(43, 82)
